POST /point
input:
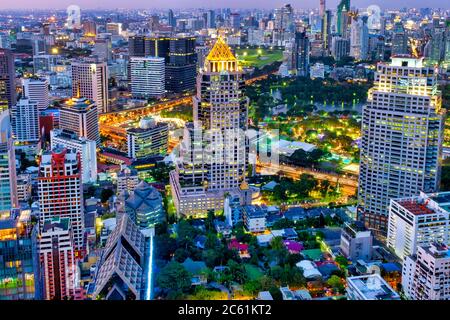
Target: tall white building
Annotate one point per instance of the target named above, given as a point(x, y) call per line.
point(60, 191)
point(90, 80)
point(80, 115)
point(426, 275)
point(36, 90)
point(418, 221)
point(359, 38)
point(147, 77)
point(402, 132)
point(25, 120)
point(85, 147)
point(216, 164)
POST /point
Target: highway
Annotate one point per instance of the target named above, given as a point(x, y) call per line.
point(348, 185)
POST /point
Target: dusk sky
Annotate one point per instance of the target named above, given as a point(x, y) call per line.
point(93, 4)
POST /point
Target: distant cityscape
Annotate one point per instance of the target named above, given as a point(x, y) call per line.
point(225, 154)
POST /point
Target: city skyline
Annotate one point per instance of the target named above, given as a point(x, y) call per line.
point(234, 4)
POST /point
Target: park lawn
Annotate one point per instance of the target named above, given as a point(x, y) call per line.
point(254, 273)
point(254, 59)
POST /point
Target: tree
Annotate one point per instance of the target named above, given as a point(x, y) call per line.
point(165, 246)
point(174, 277)
point(341, 261)
point(336, 283)
point(277, 243)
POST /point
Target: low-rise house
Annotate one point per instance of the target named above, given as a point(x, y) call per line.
point(264, 295)
point(242, 248)
point(310, 271)
point(264, 239)
point(197, 270)
point(199, 241)
point(287, 293)
point(295, 214)
point(293, 247)
point(302, 294)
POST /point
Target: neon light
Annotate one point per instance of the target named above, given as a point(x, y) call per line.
point(148, 295)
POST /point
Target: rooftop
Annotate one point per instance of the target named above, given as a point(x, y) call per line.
point(373, 287)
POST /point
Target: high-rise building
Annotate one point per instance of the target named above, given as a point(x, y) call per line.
point(284, 18)
point(90, 80)
point(418, 221)
point(342, 18)
point(210, 19)
point(217, 164)
point(180, 58)
point(19, 270)
point(359, 38)
point(399, 39)
point(80, 115)
point(322, 7)
point(153, 23)
point(303, 51)
point(57, 259)
point(426, 275)
point(149, 139)
point(147, 77)
point(171, 19)
point(7, 79)
point(8, 186)
point(60, 192)
point(36, 90)
point(326, 30)
point(235, 21)
point(87, 149)
point(402, 132)
point(120, 273)
point(340, 47)
point(89, 28)
point(115, 28)
point(25, 121)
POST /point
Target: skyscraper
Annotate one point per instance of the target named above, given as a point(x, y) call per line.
point(303, 50)
point(147, 77)
point(149, 139)
point(217, 164)
point(8, 185)
point(322, 7)
point(171, 19)
point(359, 38)
point(36, 90)
point(19, 279)
point(402, 132)
point(342, 17)
point(80, 115)
point(57, 258)
point(210, 19)
point(60, 192)
point(284, 18)
point(399, 39)
point(326, 30)
point(90, 80)
point(7, 77)
point(25, 121)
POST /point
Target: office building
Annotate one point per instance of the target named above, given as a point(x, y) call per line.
point(356, 242)
point(80, 116)
point(120, 273)
point(115, 28)
point(127, 180)
point(19, 272)
point(144, 205)
point(60, 192)
point(340, 48)
point(370, 287)
point(426, 275)
point(90, 80)
point(25, 121)
point(326, 30)
point(36, 90)
point(303, 51)
point(180, 58)
point(172, 21)
point(402, 132)
point(147, 77)
point(8, 186)
point(57, 259)
point(399, 39)
point(359, 38)
point(7, 79)
point(284, 18)
point(149, 139)
point(418, 221)
point(87, 149)
point(210, 19)
point(204, 175)
point(24, 187)
point(342, 18)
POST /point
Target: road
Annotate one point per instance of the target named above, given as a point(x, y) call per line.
point(348, 186)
